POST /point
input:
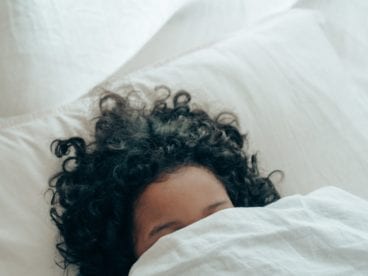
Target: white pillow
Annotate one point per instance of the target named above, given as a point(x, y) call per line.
point(302, 111)
point(284, 80)
point(212, 22)
point(52, 51)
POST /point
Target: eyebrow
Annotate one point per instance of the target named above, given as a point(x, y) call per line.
point(165, 225)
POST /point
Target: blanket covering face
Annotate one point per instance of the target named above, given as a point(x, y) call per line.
point(322, 233)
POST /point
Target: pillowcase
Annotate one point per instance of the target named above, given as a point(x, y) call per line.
point(282, 77)
point(212, 22)
point(51, 52)
point(303, 113)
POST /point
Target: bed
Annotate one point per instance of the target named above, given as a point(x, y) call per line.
point(294, 71)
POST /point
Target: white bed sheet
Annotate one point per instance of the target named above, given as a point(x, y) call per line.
point(323, 233)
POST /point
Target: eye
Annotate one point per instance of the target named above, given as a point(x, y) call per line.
point(177, 228)
point(215, 209)
point(167, 230)
point(173, 229)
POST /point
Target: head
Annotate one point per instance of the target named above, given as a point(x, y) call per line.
point(148, 172)
point(178, 200)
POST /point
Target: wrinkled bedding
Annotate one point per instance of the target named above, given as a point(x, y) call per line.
point(295, 72)
point(322, 233)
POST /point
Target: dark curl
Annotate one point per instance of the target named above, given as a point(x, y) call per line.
point(95, 192)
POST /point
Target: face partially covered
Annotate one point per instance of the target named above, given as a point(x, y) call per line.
point(182, 198)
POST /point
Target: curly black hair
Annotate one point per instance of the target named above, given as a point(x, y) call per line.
point(93, 196)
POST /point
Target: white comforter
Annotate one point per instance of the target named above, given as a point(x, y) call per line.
point(322, 233)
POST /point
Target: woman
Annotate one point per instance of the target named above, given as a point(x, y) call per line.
point(148, 172)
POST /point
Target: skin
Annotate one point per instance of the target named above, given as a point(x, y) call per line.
point(180, 199)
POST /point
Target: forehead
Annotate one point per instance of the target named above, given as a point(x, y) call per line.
point(187, 187)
